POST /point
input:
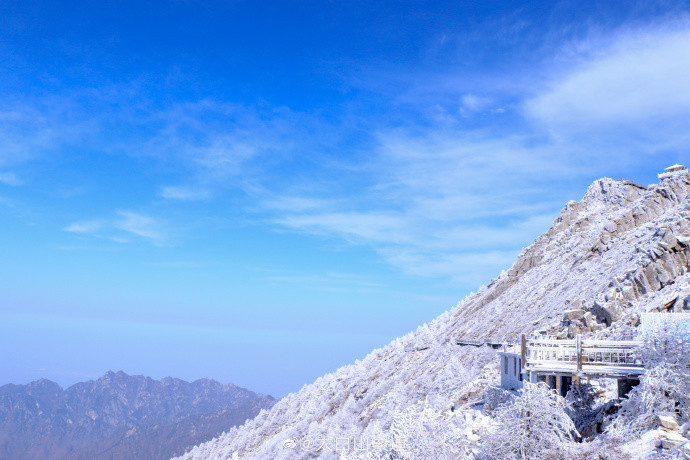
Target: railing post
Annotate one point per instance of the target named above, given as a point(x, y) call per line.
point(523, 351)
point(578, 346)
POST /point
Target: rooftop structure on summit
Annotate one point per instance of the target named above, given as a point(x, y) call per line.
point(673, 171)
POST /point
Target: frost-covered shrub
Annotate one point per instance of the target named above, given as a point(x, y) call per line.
point(494, 397)
point(664, 388)
point(581, 399)
point(599, 449)
point(417, 432)
point(535, 426)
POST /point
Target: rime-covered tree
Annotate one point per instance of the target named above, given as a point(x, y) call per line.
point(532, 426)
point(582, 398)
point(418, 431)
point(664, 388)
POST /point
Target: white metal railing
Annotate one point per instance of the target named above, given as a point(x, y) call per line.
point(577, 355)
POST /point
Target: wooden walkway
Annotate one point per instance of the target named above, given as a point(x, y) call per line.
point(586, 358)
point(495, 344)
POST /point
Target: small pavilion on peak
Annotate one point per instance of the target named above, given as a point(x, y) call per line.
point(674, 170)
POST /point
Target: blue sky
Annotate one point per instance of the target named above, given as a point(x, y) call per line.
point(263, 192)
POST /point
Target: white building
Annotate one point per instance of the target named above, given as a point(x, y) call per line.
point(511, 370)
point(674, 170)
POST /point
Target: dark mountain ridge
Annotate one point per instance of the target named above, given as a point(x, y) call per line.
point(119, 416)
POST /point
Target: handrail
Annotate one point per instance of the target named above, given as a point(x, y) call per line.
point(577, 355)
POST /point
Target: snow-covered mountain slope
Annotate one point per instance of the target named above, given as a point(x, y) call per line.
point(618, 252)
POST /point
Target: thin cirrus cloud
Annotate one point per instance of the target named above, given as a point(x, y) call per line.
point(430, 198)
point(29, 129)
point(187, 193)
point(10, 178)
point(143, 226)
point(453, 202)
point(442, 205)
point(470, 103)
point(85, 227)
point(122, 227)
point(220, 141)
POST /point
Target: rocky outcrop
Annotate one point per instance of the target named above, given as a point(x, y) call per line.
point(668, 422)
point(599, 422)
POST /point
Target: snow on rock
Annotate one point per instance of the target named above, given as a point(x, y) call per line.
point(621, 249)
point(671, 440)
point(668, 422)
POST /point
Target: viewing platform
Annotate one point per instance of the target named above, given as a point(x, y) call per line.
point(583, 358)
point(673, 171)
point(561, 362)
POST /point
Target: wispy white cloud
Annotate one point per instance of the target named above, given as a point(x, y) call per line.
point(85, 227)
point(221, 141)
point(441, 199)
point(142, 225)
point(430, 192)
point(10, 178)
point(286, 203)
point(122, 228)
point(469, 269)
point(32, 129)
point(184, 193)
point(443, 203)
point(354, 226)
point(473, 103)
point(640, 77)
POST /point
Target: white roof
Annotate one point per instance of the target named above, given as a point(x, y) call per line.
point(675, 167)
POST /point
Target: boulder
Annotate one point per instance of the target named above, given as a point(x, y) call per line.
point(590, 430)
point(573, 330)
point(598, 327)
point(635, 320)
point(665, 278)
point(685, 429)
point(572, 315)
point(684, 239)
point(670, 239)
point(672, 440)
point(668, 422)
point(685, 450)
point(607, 312)
point(628, 291)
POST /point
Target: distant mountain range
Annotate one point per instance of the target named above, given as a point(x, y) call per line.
point(119, 416)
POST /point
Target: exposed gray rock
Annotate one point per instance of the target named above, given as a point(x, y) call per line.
point(672, 440)
point(572, 315)
point(608, 312)
point(573, 330)
point(686, 303)
point(667, 421)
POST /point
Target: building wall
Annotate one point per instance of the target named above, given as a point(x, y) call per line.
point(511, 364)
